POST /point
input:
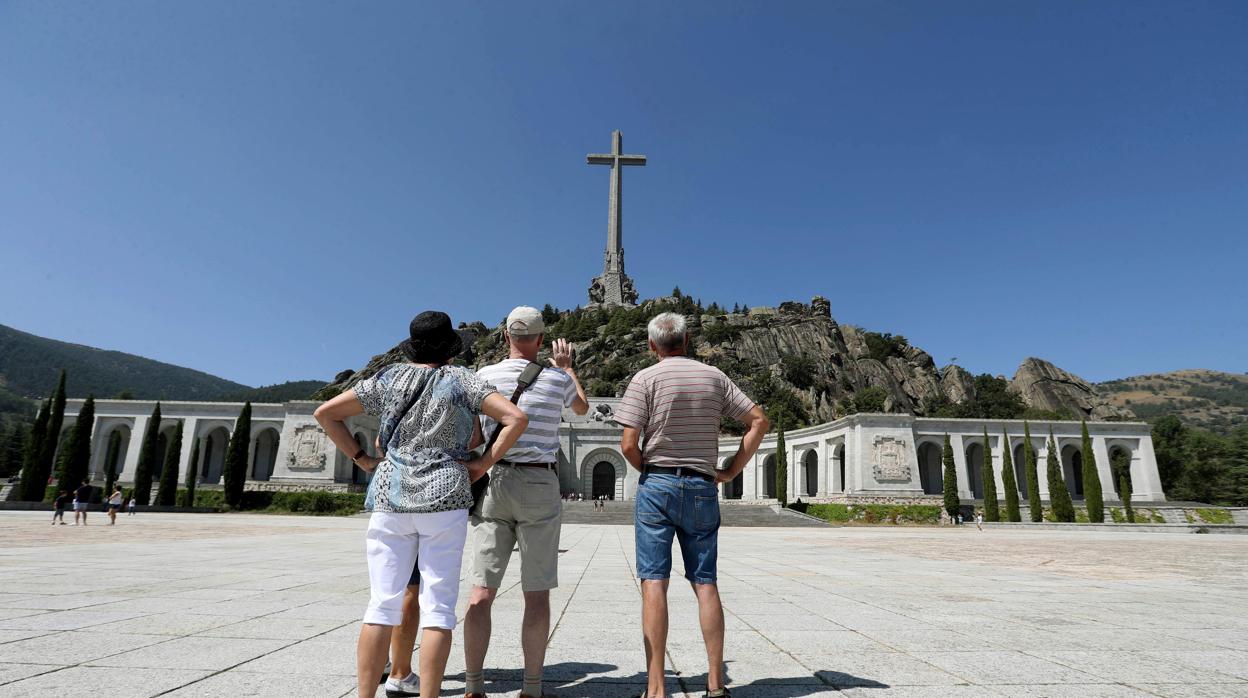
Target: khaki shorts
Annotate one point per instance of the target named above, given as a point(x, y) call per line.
point(521, 505)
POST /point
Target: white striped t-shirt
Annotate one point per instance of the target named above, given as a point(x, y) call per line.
point(543, 402)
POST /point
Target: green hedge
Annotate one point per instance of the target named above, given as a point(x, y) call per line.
point(318, 503)
point(892, 514)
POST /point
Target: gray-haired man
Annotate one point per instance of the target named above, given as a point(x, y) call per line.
point(522, 503)
point(677, 404)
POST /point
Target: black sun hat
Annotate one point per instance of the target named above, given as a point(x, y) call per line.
point(432, 339)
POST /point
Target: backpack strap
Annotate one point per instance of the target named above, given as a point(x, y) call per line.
point(527, 378)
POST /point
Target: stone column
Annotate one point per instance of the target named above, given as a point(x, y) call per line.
point(1145, 478)
point(132, 451)
point(824, 469)
point(1042, 470)
point(190, 425)
point(959, 466)
point(1104, 468)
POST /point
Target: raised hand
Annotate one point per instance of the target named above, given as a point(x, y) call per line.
point(561, 354)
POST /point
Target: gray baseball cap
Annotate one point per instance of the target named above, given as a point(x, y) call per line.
point(525, 322)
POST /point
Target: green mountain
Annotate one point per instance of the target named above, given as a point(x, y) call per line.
point(30, 365)
point(1205, 399)
point(280, 392)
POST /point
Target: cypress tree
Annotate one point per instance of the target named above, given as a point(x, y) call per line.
point(1092, 496)
point(236, 458)
point(1007, 480)
point(167, 495)
point(76, 460)
point(192, 473)
point(1033, 477)
point(1124, 491)
point(111, 456)
point(33, 485)
point(782, 470)
point(991, 512)
point(1059, 496)
point(52, 439)
point(952, 503)
point(142, 492)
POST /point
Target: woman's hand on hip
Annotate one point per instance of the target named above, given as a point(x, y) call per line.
point(477, 467)
point(368, 463)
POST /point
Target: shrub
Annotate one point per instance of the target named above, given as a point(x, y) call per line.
point(1059, 496)
point(1091, 480)
point(882, 346)
point(799, 370)
point(894, 514)
point(1215, 516)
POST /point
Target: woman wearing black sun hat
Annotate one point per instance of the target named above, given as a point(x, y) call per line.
point(420, 492)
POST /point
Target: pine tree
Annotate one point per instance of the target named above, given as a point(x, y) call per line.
point(167, 495)
point(143, 472)
point(111, 456)
point(991, 512)
point(782, 469)
point(1007, 480)
point(1092, 496)
point(1033, 477)
point(33, 486)
point(1059, 496)
point(52, 439)
point(192, 474)
point(236, 458)
point(14, 447)
point(952, 504)
point(76, 460)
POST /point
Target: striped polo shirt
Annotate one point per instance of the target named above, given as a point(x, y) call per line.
point(543, 403)
point(677, 404)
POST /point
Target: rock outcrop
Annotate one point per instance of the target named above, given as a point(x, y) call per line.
point(1046, 387)
point(796, 348)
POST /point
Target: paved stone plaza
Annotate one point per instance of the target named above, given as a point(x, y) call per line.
point(235, 605)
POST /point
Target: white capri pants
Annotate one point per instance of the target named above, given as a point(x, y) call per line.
point(393, 541)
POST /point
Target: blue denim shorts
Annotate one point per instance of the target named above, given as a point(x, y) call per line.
point(684, 507)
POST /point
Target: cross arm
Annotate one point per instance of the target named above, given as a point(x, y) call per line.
point(609, 159)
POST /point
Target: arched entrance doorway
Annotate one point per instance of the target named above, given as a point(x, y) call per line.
point(213, 448)
point(810, 472)
point(736, 488)
point(930, 476)
point(603, 484)
point(358, 475)
point(1020, 468)
point(975, 469)
point(1072, 470)
point(116, 444)
point(264, 454)
point(768, 474)
point(838, 455)
point(1120, 466)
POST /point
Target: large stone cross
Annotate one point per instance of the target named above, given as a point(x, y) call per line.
point(614, 287)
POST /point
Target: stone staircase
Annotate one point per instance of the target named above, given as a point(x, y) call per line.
point(1172, 516)
point(744, 515)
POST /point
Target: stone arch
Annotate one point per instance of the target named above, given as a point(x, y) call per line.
point(767, 476)
point(264, 453)
point(736, 488)
point(1020, 468)
point(589, 466)
point(931, 471)
point(1072, 470)
point(810, 472)
point(1120, 457)
point(212, 447)
point(164, 438)
point(975, 468)
point(120, 430)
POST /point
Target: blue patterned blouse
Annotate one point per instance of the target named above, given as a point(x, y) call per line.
point(422, 471)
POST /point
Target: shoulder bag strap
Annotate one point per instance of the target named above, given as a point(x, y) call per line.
point(527, 378)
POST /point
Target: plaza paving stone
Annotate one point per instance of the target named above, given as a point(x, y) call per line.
point(249, 605)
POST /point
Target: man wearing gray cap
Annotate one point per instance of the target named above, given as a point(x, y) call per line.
point(521, 504)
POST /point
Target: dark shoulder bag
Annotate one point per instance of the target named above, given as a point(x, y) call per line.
point(527, 378)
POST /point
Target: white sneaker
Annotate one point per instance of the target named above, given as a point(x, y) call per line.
point(406, 686)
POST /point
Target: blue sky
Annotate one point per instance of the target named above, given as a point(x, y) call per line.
point(269, 191)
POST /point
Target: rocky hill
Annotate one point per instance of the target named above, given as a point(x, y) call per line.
point(1210, 400)
point(796, 360)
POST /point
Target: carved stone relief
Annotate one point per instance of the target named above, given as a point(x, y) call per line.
point(308, 452)
point(889, 462)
